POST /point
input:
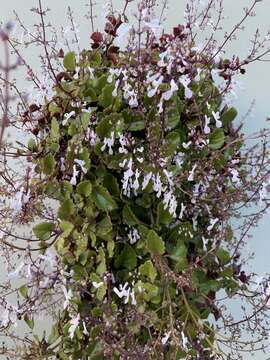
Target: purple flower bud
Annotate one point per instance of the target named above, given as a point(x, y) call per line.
point(10, 25)
point(3, 35)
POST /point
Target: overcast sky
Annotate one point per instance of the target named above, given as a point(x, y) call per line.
point(255, 82)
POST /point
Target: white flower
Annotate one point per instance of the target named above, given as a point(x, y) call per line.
point(92, 136)
point(169, 176)
point(81, 163)
point(162, 56)
point(133, 236)
point(191, 173)
point(183, 207)
point(85, 332)
point(123, 143)
point(186, 145)
point(114, 93)
point(154, 26)
point(146, 179)
point(168, 94)
point(67, 295)
point(91, 72)
point(127, 180)
point(133, 101)
point(160, 106)
point(73, 180)
point(97, 284)
point(173, 206)
point(21, 198)
point(17, 271)
point(165, 338)
point(205, 242)
point(156, 80)
point(235, 176)
point(136, 184)
point(8, 313)
point(157, 185)
point(112, 73)
point(212, 224)
point(87, 111)
point(67, 116)
point(197, 77)
point(216, 116)
point(123, 292)
point(62, 164)
point(206, 129)
point(133, 299)
point(185, 81)
point(74, 324)
point(108, 142)
point(184, 340)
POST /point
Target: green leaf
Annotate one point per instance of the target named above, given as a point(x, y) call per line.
point(210, 285)
point(48, 164)
point(66, 227)
point(24, 291)
point(106, 98)
point(163, 215)
point(101, 292)
point(127, 258)
point(103, 199)
point(81, 245)
point(155, 243)
point(147, 269)
point(111, 184)
point(228, 116)
point(223, 256)
point(100, 82)
point(173, 118)
point(128, 216)
point(62, 355)
point(104, 226)
point(151, 293)
point(84, 120)
point(66, 209)
point(79, 272)
point(101, 269)
point(84, 188)
point(134, 120)
point(112, 122)
point(73, 129)
point(178, 254)
point(31, 145)
point(29, 321)
point(66, 187)
point(54, 129)
point(84, 257)
point(95, 59)
point(173, 140)
point(110, 248)
point(43, 230)
point(217, 139)
point(136, 126)
point(70, 61)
